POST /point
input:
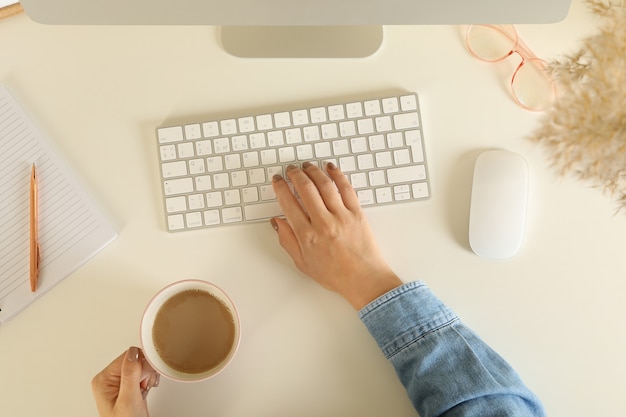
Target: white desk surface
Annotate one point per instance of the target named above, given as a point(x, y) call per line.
point(556, 311)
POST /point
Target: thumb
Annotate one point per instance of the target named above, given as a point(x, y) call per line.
point(130, 376)
point(288, 240)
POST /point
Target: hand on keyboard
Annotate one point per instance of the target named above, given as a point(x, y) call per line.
point(328, 237)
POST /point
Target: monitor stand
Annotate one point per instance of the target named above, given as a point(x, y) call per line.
point(301, 41)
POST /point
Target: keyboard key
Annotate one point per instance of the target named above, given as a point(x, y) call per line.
point(178, 186)
point(170, 134)
point(232, 197)
point(250, 159)
point(257, 176)
point(232, 215)
point(262, 211)
point(228, 127)
point(286, 154)
point(406, 174)
point(390, 105)
point(268, 157)
point(372, 107)
point(168, 152)
point(365, 126)
point(408, 103)
point(185, 150)
point(383, 124)
point(176, 204)
point(383, 195)
point(329, 131)
point(214, 199)
point(203, 183)
point(336, 112)
point(193, 132)
point(282, 119)
point(210, 129)
point(204, 147)
point(250, 194)
point(221, 180)
point(414, 141)
point(211, 217)
point(300, 117)
point(196, 166)
point(246, 124)
point(420, 190)
point(175, 222)
point(174, 169)
point(238, 179)
point(318, 115)
point(193, 219)
point(354, 110)
point(406, 121)
point(196, 201)
point(366, 197)
point(341, 147)
point(264, 122)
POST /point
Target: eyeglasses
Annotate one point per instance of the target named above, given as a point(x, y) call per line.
point(531, 85)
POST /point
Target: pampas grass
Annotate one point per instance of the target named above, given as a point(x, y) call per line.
point(585, 130)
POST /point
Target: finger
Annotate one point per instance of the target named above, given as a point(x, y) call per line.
point(326, 189)
point(130, 377)
point(288, 203)
point(288, 240)
point(104, 384)
point(347, 192)
point(149, 377)
point(308, 192)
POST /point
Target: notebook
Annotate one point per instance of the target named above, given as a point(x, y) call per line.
point(71, 227)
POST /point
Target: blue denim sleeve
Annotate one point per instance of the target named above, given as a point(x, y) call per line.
point(445, 367)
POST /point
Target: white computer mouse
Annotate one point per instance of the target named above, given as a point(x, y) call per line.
point(498, 204)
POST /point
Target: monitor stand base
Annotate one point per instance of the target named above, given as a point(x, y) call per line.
point(301, 41)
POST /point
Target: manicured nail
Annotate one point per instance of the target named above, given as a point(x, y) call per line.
point(277, 178)
point(331, 165)
point(133, 354)
point(306, 164)
point(274, 224)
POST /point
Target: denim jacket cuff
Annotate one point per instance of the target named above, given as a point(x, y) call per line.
point(404, 315)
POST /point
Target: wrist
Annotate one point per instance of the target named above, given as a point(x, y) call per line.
point(369, 288)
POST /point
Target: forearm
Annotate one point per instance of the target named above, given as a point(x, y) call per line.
point(446, 369)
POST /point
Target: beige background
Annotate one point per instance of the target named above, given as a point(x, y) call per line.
point(556, 311)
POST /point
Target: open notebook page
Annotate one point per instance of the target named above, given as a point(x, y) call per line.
point(71, 227)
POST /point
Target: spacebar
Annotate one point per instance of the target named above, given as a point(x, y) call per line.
point(262, 211)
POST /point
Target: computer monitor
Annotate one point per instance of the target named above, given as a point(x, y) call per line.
point(315, 28)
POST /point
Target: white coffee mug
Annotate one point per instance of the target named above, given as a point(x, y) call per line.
point(150, 314)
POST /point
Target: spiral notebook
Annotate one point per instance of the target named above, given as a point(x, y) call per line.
point(72, 229)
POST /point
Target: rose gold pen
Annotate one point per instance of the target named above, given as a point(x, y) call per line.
point(34, 235)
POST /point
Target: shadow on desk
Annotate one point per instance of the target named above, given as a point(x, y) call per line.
point(458, 193)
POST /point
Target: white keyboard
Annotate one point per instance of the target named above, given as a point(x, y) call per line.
point(218, 172)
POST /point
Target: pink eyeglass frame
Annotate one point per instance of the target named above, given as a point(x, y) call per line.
point(520, 48)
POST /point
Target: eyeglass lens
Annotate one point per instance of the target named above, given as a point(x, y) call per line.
point(531, 86)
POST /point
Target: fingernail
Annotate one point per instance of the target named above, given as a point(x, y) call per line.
point(277, 178)
point(331, 165)
point(274, 224)
point(157, 380)
point(290, 167)
point(133, 354)
point(144, 394)
point(306, 164)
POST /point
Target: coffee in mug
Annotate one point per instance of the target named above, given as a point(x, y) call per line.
point(190, 331)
